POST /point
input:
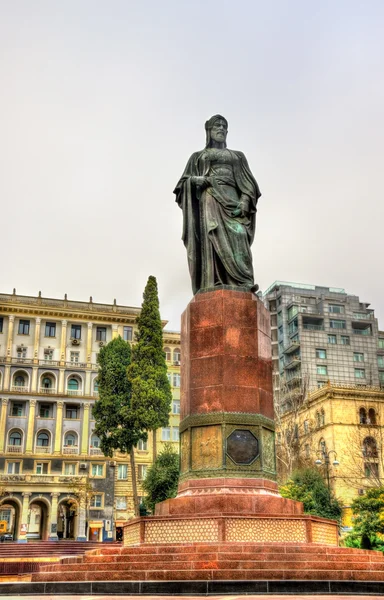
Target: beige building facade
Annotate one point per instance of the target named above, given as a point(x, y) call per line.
point(48, 385)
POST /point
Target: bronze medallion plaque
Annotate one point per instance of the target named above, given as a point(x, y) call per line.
point(242, 447)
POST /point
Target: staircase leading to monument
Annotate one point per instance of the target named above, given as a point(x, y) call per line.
point(268, 561)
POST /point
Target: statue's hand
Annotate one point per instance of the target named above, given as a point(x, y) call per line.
point(199, 181)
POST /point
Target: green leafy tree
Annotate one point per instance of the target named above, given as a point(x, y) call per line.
point(368, 522)
point(115, 421)
point(162, 478)
point(147, 373)
point(307, 486)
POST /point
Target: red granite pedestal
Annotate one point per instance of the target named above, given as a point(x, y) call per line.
point(227, 489)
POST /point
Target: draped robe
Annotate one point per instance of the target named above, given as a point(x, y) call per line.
point(217, 243)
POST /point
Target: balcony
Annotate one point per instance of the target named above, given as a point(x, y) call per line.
point(74, 392)
point(358, 331)
point(292, 347)
point(48, 362)
point(293, 363)
point(20, 389)
point(33, 478)
point(43, 449)
point(312, 327)
point(95, 452)
point(10, 477)
point(71, 450)
point(21, 361)
point(75, 365)
point(48, 391)
point(14, 449)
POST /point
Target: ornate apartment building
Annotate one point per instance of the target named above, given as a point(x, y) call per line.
point(49, 454)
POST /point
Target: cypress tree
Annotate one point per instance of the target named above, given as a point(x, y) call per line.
point(147, 373)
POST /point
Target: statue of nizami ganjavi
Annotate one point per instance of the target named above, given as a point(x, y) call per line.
point(218, 196)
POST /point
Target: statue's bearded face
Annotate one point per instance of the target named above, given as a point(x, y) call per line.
point(219, 131)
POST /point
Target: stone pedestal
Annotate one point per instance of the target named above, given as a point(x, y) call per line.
point(227, 489)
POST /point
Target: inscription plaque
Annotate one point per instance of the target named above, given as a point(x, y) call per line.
point(242, 447)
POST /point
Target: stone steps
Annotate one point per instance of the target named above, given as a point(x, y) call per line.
point(202, 562)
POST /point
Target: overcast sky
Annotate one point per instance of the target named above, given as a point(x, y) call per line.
point(103, 101)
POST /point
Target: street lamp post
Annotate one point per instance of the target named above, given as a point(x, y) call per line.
point(325, 459)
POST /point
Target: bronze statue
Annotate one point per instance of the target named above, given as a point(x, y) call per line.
point(218, 196)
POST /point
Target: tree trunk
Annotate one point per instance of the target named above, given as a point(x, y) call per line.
point(134, 483)
point(154, 449)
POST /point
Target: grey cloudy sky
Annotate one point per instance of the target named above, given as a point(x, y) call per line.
point(102, 102)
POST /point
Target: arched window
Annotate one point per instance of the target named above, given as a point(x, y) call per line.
point(95, 441)
point(318, 420)
point(42, 439)
point(96, 386)
point(73, 384)
point(322, 447)
point(20, 381)
point(370, 448)
point(176, 355)
point(47, 383)
point(70, 439)
point(15, 438)
point(322, 418)
point(372, 416)
point(168, 357)
point(362, 416)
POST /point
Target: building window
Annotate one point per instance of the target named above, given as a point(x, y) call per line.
point(13, 468)
point(166, 434)
point(175, 434)
point(76, 332)
point(71, 412)
point(142, 472)
point(336, 309)
point(358, 357)
point(321, 370)
point(24, 327)
point(70, 439)
point(372, 416)
point(168, 355)
point(359, 373)
point(42, 468)
point(50, 329)
point(73, 384)
point(320, 353)
point(381, 376)
point(47, 383)
point(97, 470)
point(371, 469)
point(176, 379)
point(362, 416)
point(1, 324)
point(337, 324)
point(96, 501)
point(169, 377)
point(95, 441)
point(176, 407)
point(20, 381)
point(69, 469)
point(48, 354)
point(45, 411)
point(101, 334)
point(176, 356)
point(127, 334)
point(332, 339)
point(15, 438)
point(345, 341)
point(322, 418)
point(370, 448)
point(380, 360)
point(381, 343)
point(17, 409)
point(43, 440)
point(121, 502)
point(122, 471)
point(74, 357)
point(142, 445)
point(21, 352)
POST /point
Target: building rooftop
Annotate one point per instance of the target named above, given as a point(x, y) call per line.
point(303, 286)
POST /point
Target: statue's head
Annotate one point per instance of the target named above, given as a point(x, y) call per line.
point(217, 129)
